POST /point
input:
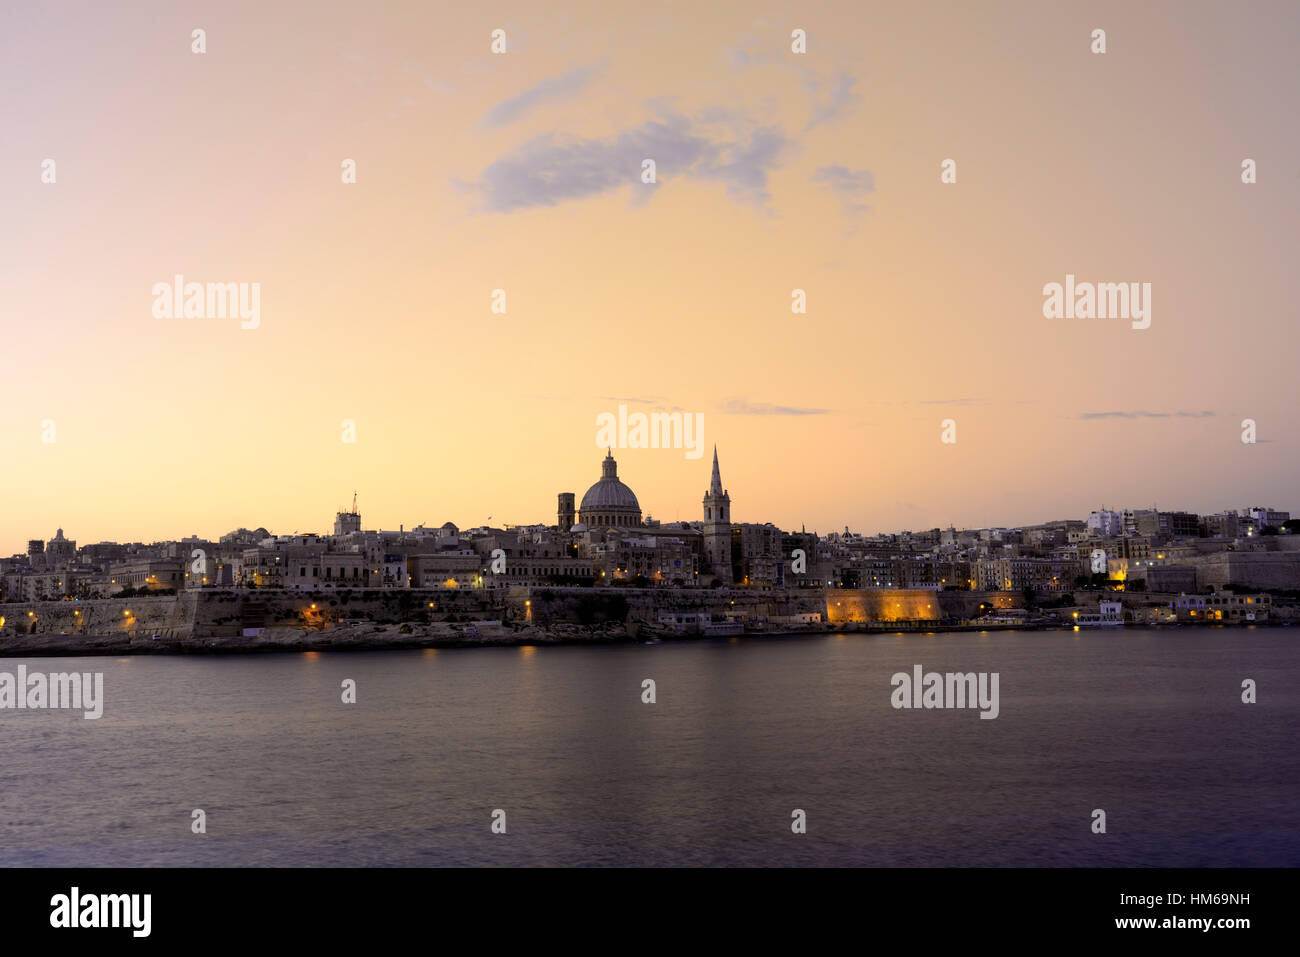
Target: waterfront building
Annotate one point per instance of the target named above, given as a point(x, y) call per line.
point(1017, 574)
point(622, 556)
point(756, 549)
point(463, 569)
point(531, 556)
point(303, 572)
point(343, 570)
point(1222, 606)
point(260, 567)
point(152, 574)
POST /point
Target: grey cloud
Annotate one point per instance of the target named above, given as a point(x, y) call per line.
point(630, 399)
point(745, 407)
point(1139, 414)
point(852, 186)
point(772, 49)
point(550, 90)
point(751, 51)
point(744, 166)
point(551, 169)
point(840, 99)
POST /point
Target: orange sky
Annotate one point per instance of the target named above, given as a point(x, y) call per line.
point(521, 172)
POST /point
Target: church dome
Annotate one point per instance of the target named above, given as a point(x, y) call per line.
point(609, 501)
point(610, 493)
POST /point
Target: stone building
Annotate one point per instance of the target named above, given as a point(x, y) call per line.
point(609, 503)
point(59, 550)
point(565, 512)
point(717, 527)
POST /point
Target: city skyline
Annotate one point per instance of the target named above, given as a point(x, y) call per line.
point(778, 171)
point(432, 525)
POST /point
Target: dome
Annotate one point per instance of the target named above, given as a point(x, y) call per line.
point(609, 502)
point(610, 493)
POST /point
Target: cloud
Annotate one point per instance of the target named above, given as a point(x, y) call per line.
point(852, 186)
point(744, 166)
point(551, 169)
point(745, 407)
point(771, 48)
point(839, 101)
point(631, 400)
point(753, 51)
point(552, 89)
point(1181, 414)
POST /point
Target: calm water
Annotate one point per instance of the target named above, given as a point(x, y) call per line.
point(1146, 725)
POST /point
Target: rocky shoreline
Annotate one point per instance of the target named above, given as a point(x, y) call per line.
point(481, 634)
point(359, 637)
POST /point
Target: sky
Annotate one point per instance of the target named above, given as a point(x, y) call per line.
point(522, 171)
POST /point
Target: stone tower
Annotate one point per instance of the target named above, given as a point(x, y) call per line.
point(565, 513)
point(717, 525)
point(347, 523)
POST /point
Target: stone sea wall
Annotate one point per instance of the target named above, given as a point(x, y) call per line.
point(217, 614)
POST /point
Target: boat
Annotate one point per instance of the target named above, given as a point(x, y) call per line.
point(1109, 614)
point(1091, 620)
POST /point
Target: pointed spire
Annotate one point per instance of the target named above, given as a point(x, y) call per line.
point(715, 485)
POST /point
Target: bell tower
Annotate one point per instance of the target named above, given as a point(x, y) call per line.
point(717, 525)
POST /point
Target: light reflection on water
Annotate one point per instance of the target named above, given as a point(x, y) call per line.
point(1148, 725)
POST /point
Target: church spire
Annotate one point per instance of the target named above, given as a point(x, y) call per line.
point(717, 526)
point(715, 486)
